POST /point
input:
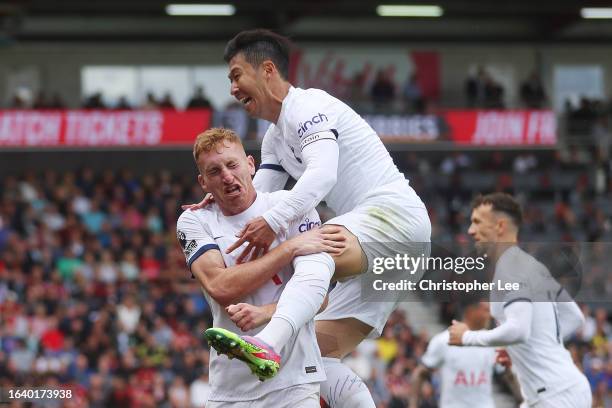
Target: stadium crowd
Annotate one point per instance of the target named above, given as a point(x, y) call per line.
point(366, 91)
point(95, 295)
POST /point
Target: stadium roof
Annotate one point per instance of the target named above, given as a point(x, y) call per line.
point(315, 20)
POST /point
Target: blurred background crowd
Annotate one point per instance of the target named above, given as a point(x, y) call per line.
point(95, 295)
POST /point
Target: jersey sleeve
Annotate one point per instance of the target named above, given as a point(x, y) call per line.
point(434, 355)
point(304, 223)
point(311, 123)
point(515, 329)
point(270, 176)
point(570, 315)
point(194, 236)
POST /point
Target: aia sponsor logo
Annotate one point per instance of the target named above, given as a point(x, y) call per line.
point(471, 378)
point(316, 119)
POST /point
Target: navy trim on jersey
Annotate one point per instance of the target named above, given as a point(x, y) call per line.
point(558, 330)
point(268, 166)
point(559, 293)
point(516, 300)
point(201, 252)
point(334, 132)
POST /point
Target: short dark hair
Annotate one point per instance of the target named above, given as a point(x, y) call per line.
point(501, 202)
point(259, 45)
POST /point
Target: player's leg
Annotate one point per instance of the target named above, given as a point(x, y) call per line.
point(299, 302)
point(353, 260)
point(384, 230)
point(338, 338)
point(343, 388)
point(301, 299)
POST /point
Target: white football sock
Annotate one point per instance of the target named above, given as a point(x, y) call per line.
point(301, 299)
point(343, 388)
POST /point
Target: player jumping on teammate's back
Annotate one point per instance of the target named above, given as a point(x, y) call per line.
point(335, 156)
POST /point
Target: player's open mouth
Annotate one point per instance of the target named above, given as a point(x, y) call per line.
point(246, 101)
point(232, 190)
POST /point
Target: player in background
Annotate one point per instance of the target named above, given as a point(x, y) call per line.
point(467, 372)
point(298, 290)
point(335, 156)
point(533, 320)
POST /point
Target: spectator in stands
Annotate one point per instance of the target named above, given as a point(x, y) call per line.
point(602, 138)
point(356, 89)
point(475, 88)
point(494, 94)
point(412, 94)
point(199, 100)
point(57, 102)
point(167, 102)
point(123, 104)
point(40, 102)
point(21, 99)
point(94, 101)
point(532, 92)
point(150, 101)
point(382, 91)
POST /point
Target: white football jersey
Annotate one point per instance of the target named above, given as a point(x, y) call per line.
point(364, 162)
point(542, 364)
point(466, 372)
point(231, 380)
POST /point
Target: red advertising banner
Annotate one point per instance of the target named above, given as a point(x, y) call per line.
point(502, 128)
point(152, 128)
point(470, 127)
point(98, 128)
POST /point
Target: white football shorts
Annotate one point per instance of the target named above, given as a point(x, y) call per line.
point(391, 220)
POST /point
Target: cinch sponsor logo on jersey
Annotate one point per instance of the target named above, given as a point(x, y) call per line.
point(303, 127)
point(307, 225)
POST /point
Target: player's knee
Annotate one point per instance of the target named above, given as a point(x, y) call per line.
point(338, 338)
point(352, 261)
point(328, 344)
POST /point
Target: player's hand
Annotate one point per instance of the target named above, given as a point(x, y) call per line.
point(503, 358)
point(248, 317)
point(328, 239)
point(208, 199)
point(456, 333)
point(258, 234)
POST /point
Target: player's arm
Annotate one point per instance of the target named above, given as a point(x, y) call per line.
point(512, 382)
point(270, 176)
point(570, 315)
point(248, 317)
point(228, 285)
point(432, 359)
point(515, 329)
point(419, 375)
point(320, 154)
